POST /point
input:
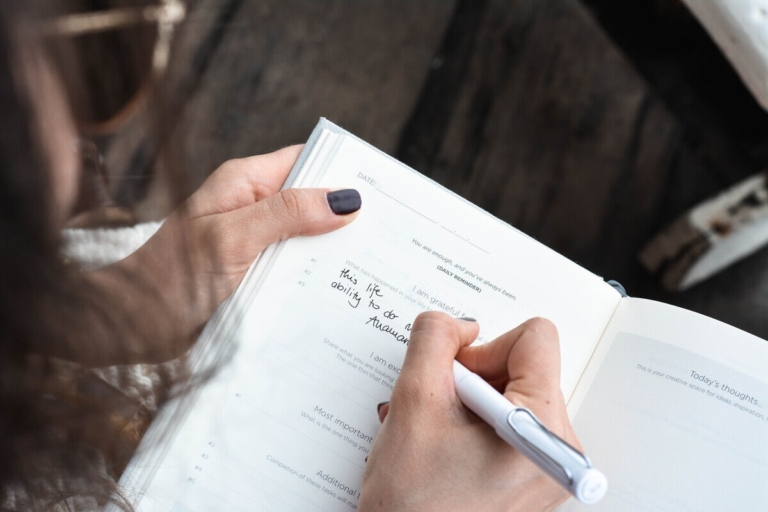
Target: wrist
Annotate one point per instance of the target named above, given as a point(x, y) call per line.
point(156, 305)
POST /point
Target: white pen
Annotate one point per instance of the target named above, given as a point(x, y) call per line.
point(523, 431)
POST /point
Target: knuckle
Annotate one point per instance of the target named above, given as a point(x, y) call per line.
point(408, 395)
point(432, 323)
point(542, 327)
point(431, 318)
point(229, 167)
point(290, 205)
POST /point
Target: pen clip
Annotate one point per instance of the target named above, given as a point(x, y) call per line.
point(555, 466)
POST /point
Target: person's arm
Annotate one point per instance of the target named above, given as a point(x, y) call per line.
point(150, 306)
point(432, 453)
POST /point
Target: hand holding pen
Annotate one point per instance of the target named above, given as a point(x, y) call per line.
point(432, 453)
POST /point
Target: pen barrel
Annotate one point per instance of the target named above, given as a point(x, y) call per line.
point(566, 465)
point(480, 397)
point(523, 431)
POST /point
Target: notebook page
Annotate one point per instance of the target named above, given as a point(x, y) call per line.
point(287, 424)
point(674, 410)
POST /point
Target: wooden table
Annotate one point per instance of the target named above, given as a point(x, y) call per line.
point(525, 107)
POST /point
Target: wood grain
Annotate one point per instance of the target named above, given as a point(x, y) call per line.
point(250, 77)
point(552, 131)
point(524, 107)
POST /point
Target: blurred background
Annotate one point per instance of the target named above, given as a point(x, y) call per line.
point(587, 124)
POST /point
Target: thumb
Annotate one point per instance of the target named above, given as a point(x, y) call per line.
point(525, 359)
point(298, 211)
point(427, 375)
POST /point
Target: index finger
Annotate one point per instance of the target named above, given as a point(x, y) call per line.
point(267, 171)
point(427, 374)
point(528, 355)
point(243, 181)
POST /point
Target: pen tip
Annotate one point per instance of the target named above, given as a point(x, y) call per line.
point(592, 487)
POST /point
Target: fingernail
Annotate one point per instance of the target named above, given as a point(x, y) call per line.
point(366, 458)
point(344, 202)
point(468, 319)
point(382, 404)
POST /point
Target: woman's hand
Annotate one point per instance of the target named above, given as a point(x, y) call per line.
point(235, 215)
point(176, 280)
point(432, 453)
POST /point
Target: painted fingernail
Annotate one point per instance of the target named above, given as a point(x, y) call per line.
point(344, 202)
point(366, 458)
point(382, 404)
point(468, 319)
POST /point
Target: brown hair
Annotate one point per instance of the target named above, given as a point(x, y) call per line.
point(52, 438)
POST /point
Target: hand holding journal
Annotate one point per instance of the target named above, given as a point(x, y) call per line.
point(672, 406)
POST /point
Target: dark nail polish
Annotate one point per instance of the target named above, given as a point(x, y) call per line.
point(366, 458)
point(468, 319)
point(382, 404)
point(344, 202)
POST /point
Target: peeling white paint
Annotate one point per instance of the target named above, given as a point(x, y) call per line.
point(740, 29)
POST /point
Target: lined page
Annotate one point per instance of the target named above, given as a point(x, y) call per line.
point(288, 423)
point(674, 410)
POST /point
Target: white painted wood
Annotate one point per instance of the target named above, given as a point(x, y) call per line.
point(735, 223)
point(740, 29)
point(729, 227)
point(712, 236)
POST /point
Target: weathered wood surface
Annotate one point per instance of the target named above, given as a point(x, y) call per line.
point(524, 107)
point(740, 29)
point(251, 76)
point(550, 128)
point(714, 235)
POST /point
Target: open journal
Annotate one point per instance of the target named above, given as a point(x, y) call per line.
point(671, 405)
